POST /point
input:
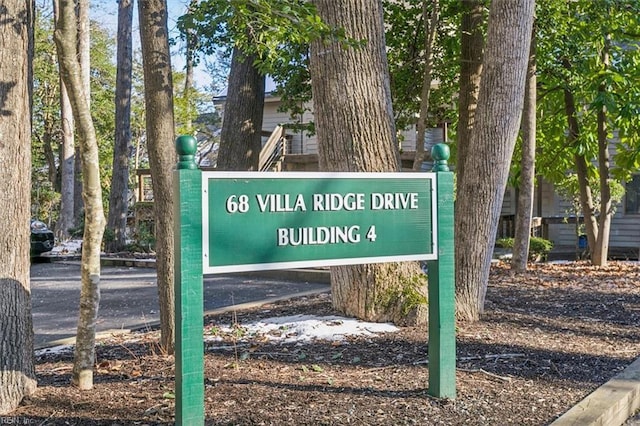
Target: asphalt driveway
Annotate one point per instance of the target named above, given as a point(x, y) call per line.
point(129, 297)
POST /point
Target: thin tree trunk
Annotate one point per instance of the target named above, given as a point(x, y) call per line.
point(84, 56)
point(430, 31)
point(47, 144)
point(497, 120)
point(158, 87)
point(118, 197)
point(67, 166)
point(188, 79)
point(526, 191)
point(50, 134)
point(600, 252)
point(351, 141)
point(78, 204)
point(17, 372)
point(586, 197)
point(84, 46)
point(66, 41)
point(471, 52)
point(66, 220)
point(241, 134)
point(188, 88)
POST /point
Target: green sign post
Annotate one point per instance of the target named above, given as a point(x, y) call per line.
point(244, 221)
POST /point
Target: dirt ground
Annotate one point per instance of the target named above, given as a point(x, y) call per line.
point(547, 339)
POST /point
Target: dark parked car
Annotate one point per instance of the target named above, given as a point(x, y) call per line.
point(42, 238)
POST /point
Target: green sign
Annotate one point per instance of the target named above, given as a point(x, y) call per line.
point(241, 221)
point(259, 221)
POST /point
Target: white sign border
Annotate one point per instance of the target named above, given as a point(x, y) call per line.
point(206, 176)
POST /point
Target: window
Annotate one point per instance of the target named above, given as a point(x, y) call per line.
point(632, 196)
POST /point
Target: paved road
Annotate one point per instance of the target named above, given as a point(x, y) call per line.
point(129, 296)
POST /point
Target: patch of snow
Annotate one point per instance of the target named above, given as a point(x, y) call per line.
point(306, 328)
point(67, 247)
point(55, 350)
point(289, 329)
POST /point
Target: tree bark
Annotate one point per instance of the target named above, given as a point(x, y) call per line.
point(526, 188)
point(48, 132)
point(600, 252)
point(66, 220)
point(356, 133)
point(84, 57)
point(158, 88)
point(78, 203)
point(84, 46)
point(582, 171)
point(17, 372)
point(118, 197)
point(497, 120)
point(471, 52)
point(66, 41)
point(241, 134)
point(190, 49)
point(431, 26)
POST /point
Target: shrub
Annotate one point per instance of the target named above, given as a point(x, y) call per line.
point(538, 247)
point(504, 243)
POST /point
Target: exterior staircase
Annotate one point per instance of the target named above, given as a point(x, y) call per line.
point(273, 151)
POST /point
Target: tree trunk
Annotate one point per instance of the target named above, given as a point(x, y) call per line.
point(84, 46)
point(430, 30)
point(526, 188)
point(66, 220)
point(158, 89)
point(241, 134)
point(471, 52)
point(190, 48)
point(586, 196)
point(78, 204)
point(48, 132)
point(66, 41)
point(119, 195)
point(67, 166)
point(600, 252)
point(497, 120)
point(17, 373)
point(356, 133)
point(84, 56)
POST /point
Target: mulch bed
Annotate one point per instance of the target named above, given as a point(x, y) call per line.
point(548, 338)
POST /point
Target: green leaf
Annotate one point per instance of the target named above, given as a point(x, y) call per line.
point(169, 395)
point(317, 368)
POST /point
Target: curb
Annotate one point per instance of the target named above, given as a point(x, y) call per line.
point(121, 261)
point(611, 404)
point(72, 340)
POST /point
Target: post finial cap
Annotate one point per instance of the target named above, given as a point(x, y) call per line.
point(186, 147)
point(440, 153)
